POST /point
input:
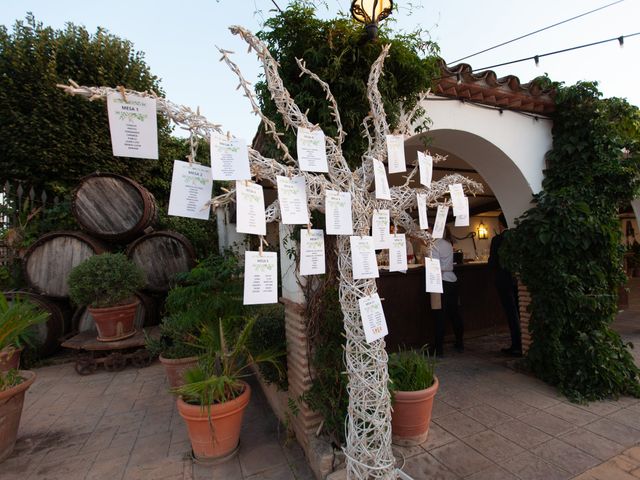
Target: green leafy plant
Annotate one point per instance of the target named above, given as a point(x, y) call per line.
point(411, 370)
point(267, 334)
point(17, 320)
point(105, 280)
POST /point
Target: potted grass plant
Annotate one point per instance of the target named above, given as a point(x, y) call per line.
point(16, 319)
point(106, 284)
point(413, 386)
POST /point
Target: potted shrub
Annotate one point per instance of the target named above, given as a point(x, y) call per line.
point(105, 284)
point(413, 386)
point(16, 319)
point(214, 396)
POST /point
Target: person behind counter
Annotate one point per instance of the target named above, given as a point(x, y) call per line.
point(443, 251)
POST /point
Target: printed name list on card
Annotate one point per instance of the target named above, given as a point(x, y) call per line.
point(422, 210)
point(363, 258)
point(229, 158)
point(380, 177)
point(191, 186)
point(292, 195)
point(457, 195)
point(433, 275)
point(133, 125)
point(338, 213)
point(462, 219)
point(380, 229)
point(260, 278)
point(312, 259)
point(373, 321)
point(312, 156)
point(441, 221)
point(395, 154)
point(425, 164)
point(250, 208)
point(398, 253)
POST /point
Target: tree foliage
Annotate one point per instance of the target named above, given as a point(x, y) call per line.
point(567, 248)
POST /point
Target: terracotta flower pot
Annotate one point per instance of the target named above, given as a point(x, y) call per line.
point(412, 414)
point(11, 402)
point(175, 368)
point(216, 439)
point(10, 358)
point(115, 323)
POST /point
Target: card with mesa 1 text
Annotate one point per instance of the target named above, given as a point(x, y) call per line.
point(133, 124)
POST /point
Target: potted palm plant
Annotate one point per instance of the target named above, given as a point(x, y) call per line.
point(105, 284)
point(413, 386)
point(16, 318)
point(19, 317)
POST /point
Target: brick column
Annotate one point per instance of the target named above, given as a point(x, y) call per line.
point(524, 299)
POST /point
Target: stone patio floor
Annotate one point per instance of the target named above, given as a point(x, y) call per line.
point(489, 422)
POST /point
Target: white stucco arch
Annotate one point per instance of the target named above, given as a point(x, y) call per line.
point(507, 149)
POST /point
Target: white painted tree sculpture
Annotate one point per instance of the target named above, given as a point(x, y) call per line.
point(368, 445)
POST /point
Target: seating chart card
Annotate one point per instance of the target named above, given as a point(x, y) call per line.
point(425, 164)
point(457, 196)
point(395, 154)
point(229, 158)
point(380, 229)
point(312, 257)
point(133, 125)
point(312, 156)
point(292, 195)
point(380, 177)
point(433, 275)
point(338, 213)
point(462, 219)
point(260, 278)
point(398, 253)
point(373, 320)
point(191, 186)
point(250, 208)
point(441, 221)
point(422, 210)
point(363, 258)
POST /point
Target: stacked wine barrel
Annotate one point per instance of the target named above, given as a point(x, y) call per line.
point(112, 211)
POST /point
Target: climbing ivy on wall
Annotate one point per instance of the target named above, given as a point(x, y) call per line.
point(567, 248)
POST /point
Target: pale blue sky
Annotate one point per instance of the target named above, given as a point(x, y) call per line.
point(178, 39)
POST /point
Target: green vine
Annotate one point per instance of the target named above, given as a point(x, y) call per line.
point(567, 248)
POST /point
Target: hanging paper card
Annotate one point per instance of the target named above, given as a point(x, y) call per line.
point(133, 125)
point(425, 164)
point(433, 275)
point(373, 322)
point(395, 153)
point(441, 221)
point(462, 219)
point(338, 213)
point(363, 258)
point(191, 186)
point(398, 253)
point(292, 195)
point(260, 278)
point(380, 229)
point(312, 155)
point(229, 158)
point(380, 177)
point(457, 195)
point(250, 208)
point(312, 252)
point(422, 210)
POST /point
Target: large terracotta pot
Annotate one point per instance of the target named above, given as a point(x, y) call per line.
point(115, 323)
point(11, 402)
point(10, 358)
point(175, 368)
point(412, 414)
point(216, 439)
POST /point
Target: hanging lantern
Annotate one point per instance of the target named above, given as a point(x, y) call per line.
point(483, 234)
point(370, 13)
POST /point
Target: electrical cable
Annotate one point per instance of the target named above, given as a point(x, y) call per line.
point(280, 10)
point(534, 32)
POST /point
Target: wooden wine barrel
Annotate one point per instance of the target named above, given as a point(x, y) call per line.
point(113, 207)
point(162, 255)
point(48, 334)
point(51, 258)
point(146, 315)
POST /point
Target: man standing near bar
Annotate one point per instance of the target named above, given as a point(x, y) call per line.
point(507, 288)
